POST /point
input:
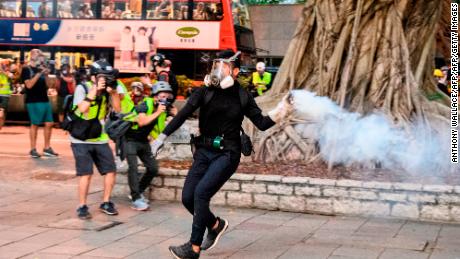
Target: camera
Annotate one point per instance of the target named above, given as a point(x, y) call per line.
point(48, 64)
point(168, 103)
point(110, 80)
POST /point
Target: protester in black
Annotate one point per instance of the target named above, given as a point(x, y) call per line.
point(218, 148)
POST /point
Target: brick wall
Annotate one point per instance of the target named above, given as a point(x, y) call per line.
point(321, 196)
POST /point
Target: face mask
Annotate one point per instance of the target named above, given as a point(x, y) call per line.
point(218, 76)
point(217, 73)
point(65, 72)
point(227, 82)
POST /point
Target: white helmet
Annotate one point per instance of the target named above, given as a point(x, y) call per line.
point(260, 66)
point(161, 86)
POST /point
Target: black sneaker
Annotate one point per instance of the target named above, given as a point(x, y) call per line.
point(49, 152)
point(184, 251)
point(34, 154)
point(214, 235)
point(83, 212)
point(108, 208)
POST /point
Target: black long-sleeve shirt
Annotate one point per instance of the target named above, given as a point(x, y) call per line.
point(222, 115)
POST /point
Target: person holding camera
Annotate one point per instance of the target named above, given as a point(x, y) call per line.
point(37, 103)
point(94, 93)
point(161, 70)
point(152, 114)
point(223, 105)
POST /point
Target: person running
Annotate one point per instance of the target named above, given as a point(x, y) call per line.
point(223, 105)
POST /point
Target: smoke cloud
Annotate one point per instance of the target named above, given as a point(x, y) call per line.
point(350, 138)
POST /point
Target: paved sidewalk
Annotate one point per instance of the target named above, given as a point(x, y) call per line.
point(37, 220)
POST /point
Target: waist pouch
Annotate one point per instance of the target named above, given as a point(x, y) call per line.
point(215, 143)
point(86, 129)
point(246, 144)
point(82, 129)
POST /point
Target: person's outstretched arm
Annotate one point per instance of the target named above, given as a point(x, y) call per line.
point(254, 113)
point(192, 104)
point(280, 112)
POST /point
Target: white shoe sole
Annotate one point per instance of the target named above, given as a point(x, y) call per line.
point(218, 236)
point(175, 256)
point(49, 155)
point(134, 208)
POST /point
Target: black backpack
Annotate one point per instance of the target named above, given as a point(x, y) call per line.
point(69, 111)
point(77, 127)
point(246, 144)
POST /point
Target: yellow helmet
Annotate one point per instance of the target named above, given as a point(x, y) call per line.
point(438, 73)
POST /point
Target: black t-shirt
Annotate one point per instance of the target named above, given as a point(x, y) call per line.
point(63, 88)
point(39, 92)
point(222, 115)
point(141, 134)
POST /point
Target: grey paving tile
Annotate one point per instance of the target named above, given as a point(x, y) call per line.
point(119, 249)
point(274, 252)
point(357, 252)
point(403, 254)
point(445, 254)
point(40, 255)
point(426, 230)
point(316, 251)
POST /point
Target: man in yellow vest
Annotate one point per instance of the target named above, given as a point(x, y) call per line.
point(90, 101)
point(5, 90)
point(261, 79)
point(152, 114)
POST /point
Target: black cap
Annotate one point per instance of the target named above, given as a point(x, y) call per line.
point(102, 67)
point(228, 54)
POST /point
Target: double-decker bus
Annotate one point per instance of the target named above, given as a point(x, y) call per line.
point(126, 32)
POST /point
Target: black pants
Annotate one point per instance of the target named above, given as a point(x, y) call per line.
point(142, 58)
point(209, 172)
point(142, 150)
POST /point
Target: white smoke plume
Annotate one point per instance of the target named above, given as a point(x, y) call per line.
point(350, 138)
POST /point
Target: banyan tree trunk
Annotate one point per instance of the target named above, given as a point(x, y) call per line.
point(365, 55)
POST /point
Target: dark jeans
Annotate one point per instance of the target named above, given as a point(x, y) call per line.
point(142, 150)
point(209, 172)
point(141, 57)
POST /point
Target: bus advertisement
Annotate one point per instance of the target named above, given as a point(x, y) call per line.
point(137, 38)
point(126, 32)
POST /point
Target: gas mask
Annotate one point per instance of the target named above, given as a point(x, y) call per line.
point(221, 74)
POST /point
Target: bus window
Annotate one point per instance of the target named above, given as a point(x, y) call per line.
point(167, 9)
point(240, 13)
point(10, 8)
point(127, 9)
point(74, 59)
point(39, 9)
point(82, 9)
point(207, 11)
